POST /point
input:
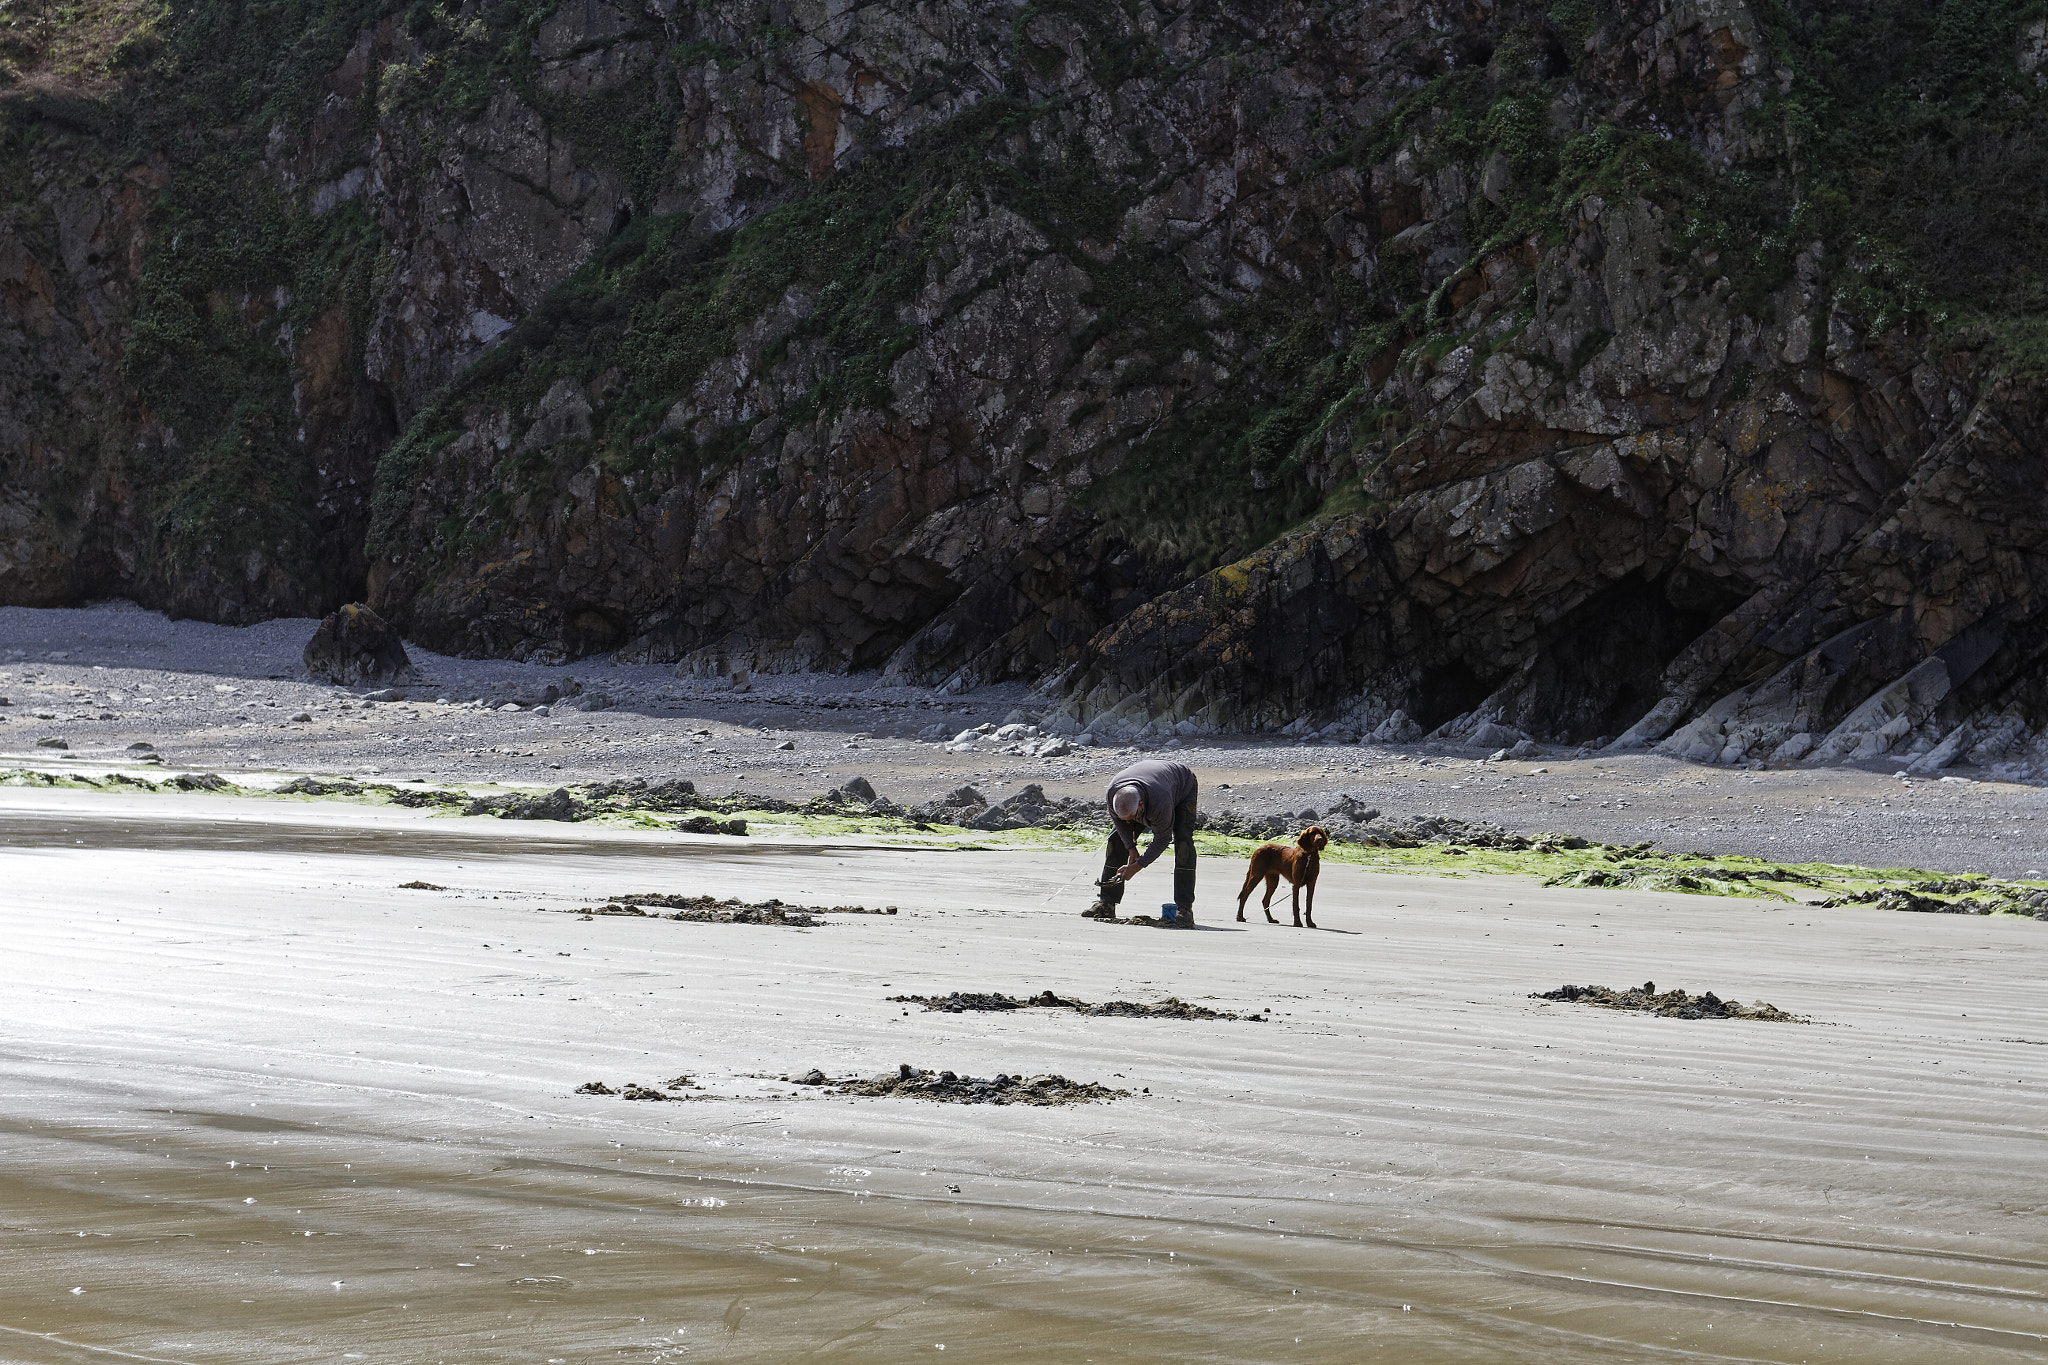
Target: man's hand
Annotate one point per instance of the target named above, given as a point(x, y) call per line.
point(1128, 870)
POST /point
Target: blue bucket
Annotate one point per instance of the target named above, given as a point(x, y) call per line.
point(1169, 911)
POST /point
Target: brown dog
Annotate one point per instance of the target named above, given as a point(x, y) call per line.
point(1300, 865)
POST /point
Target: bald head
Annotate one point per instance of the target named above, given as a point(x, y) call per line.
point(1126, 803)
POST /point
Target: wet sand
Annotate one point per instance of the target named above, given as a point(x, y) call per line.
point(260, 1104)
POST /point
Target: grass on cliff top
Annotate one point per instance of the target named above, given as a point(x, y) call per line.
point(1552, 860)
point(77, 42)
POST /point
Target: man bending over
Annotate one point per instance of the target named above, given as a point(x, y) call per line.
point(1159, 795)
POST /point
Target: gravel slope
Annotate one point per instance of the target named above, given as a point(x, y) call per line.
point(224, 699)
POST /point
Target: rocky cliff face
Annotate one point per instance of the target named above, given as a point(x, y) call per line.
point(1664, 372)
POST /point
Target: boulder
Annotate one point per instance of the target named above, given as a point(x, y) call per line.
point(1948, 751)
point(1352, 809)
point(1031, 808)
point(998, 818)
point(1397, 728)
point(558, 804)
point(353, 646)
point(954, 808)
point(1490, 735)
point(1793, 749)
point(706, 824)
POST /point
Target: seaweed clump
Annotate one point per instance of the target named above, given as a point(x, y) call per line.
point(707, 910)
point(1672, 1004)
point(633, 1090)
point(945, 1087)
point(1173, 1007)
point(711, 910)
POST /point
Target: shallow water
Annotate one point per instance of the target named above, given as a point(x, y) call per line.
point(219, 1234)
point(526, 839)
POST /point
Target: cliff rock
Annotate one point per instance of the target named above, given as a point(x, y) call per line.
point(1658, 373)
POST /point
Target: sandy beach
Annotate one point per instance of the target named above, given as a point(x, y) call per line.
point(1568, 475)
point(264, 1104)
point(299, 1080)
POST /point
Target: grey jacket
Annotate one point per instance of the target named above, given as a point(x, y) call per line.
point(1164, 786)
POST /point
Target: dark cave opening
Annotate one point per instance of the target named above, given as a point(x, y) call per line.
point(1605, 660)
point(1447, 692)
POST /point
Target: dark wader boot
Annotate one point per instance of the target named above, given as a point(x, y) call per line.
point(1111, 894)
point(1184, 862)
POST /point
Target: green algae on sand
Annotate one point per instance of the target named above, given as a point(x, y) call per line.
point(1552, 859)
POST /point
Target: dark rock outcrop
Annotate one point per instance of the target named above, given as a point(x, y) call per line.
point(956, 807)
point(355, 645)
point(1510, 373)
point(1031, 808)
